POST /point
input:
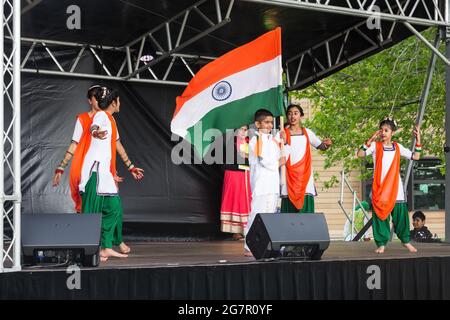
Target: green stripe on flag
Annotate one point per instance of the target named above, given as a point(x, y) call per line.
point(234, 115)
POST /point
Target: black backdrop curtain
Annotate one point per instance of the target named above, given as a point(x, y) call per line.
point(169, 193)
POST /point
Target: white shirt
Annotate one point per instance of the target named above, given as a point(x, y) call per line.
point(98, 158)
point(296, 150)
point(264, 171)
point(388, 157)
point(77, 132)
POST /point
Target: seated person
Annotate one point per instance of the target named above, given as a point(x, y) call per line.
point(420, 233)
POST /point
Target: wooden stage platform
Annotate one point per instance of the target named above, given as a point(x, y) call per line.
point(218, 270)
point(158, 254)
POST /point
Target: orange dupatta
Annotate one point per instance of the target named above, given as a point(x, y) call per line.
point(78, 159)
point(384, 193)
point(297, 175)
point(112, 167)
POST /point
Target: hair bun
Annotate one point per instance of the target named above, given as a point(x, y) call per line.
point(105, 97)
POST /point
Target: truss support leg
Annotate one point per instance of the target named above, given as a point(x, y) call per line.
point(447, 130)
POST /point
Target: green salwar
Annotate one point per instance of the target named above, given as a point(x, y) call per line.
point(111, 209)
point(288, 207)
point(400, 219)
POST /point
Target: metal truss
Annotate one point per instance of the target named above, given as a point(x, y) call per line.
point(170, 48)
point(333, 54)
point(167, 39)
point(42, 58)
point(10, 173)
point(420, 12)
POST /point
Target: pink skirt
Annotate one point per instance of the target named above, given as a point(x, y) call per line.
point(236, 201)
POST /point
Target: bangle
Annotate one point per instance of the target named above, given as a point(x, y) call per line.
point(59, 170)
point(363, 147)
point(134, 170)
point(69, 153)
point(131, 167)
point(418, 145)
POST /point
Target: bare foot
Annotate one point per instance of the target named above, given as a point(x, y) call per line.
point(248, 253)
point(103, 258)
point(124, 248)
point(380, 249)
point(409, 247)
point(108, 252)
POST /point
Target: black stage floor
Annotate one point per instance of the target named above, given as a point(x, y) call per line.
point(218, 270)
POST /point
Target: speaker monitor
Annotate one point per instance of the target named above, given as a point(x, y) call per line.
point(289, 236)
point(61, 238)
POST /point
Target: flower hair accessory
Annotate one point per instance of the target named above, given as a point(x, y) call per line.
point(104, 92)
point(391, 119)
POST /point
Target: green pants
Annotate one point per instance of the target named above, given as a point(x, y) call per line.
point(288, 207)
point(111, 209)
point(382, 229)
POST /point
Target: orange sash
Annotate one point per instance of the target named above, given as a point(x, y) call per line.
point(297, 175)
point(384, 194)
point(113, 144)
point(78, 159)
point(259, 145)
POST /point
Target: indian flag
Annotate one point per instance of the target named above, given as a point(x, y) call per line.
point(225, 93)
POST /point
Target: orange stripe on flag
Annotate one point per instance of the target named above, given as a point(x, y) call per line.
point(250, 54)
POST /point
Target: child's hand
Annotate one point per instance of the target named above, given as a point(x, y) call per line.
point(118, 179)
point(100, 134)
point(283, 136)
point(137, 173)
point(374, 136)
point(57, 179)
point(416, 132)
point(327, 142)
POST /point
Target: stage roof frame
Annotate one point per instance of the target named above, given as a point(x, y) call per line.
point(304, 64)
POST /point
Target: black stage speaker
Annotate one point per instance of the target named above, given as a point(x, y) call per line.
point(61, 239)
point(288, 236)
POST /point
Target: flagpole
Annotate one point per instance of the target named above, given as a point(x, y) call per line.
point(283, 167)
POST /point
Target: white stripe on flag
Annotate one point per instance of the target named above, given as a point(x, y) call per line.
point(256, 79)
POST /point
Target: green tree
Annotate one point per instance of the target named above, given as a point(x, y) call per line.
point(349, 105)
